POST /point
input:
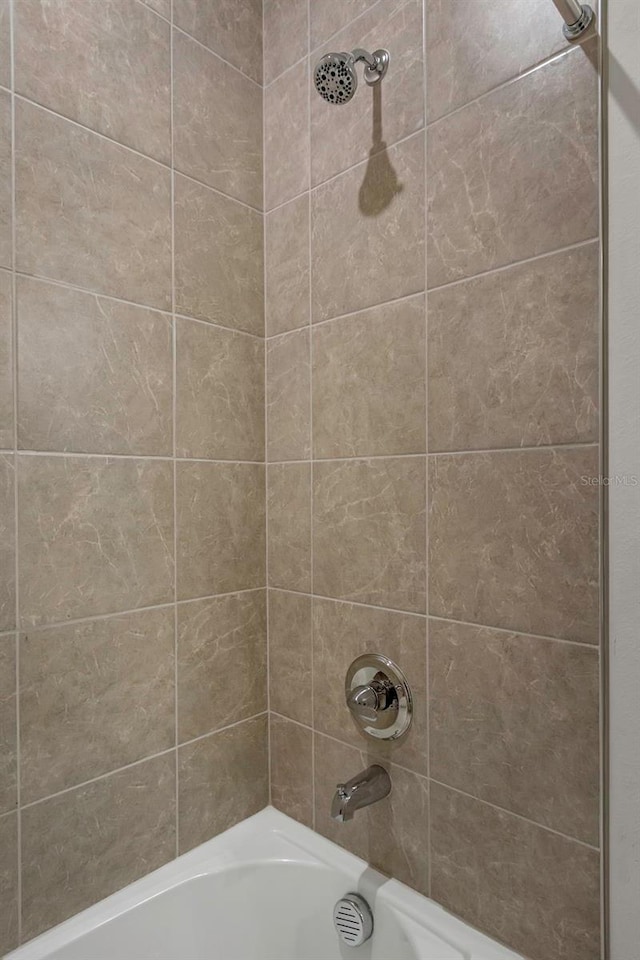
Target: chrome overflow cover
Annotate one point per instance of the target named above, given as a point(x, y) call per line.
point(379, 697)
point(353, 919)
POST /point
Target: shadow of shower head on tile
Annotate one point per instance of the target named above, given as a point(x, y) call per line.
point(380, 184)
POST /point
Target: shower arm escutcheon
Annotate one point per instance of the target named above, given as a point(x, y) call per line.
point(577, 17)
point(376, 64)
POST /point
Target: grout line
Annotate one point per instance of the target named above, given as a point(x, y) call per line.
point(426, 446)
point(310, 438)
point(218, 56)
point(220, 326)
point(577, 445)
point(266, 432)
point(165, 458)
point(356, 313)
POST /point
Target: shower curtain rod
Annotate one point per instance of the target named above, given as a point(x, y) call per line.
point(577, 17)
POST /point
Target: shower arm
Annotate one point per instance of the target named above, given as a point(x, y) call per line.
point(376, 64)
point(577, 17)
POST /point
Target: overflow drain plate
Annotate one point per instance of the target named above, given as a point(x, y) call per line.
point(353, 919)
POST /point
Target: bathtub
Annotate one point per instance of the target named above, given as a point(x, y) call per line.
point(264, 890)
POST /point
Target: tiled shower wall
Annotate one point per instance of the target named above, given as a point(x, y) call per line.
point(132, 428)
point(432, 319)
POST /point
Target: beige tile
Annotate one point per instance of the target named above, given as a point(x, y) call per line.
point(344, 631)
point(5, 44)
point(7, 544)
point(287, 266)
point(332, 15)
point(292, 769)
point(163, 7)
point(497, 190)
point(367, 229)
point(514, 720)
point(231, 28)
point(8, 727)
point(288, 397)
point(105, 835)
point(217, 122)
point(6, 362)
point(219, 393)
point(223, 778)
point(534, 890)
point(8, 882)
point(513, 541)
point(289, 513)
point(286, 35)
point(286, 133)
point(5, 179)
point(221, 528)
point(222, 662)
point(219, 258)
point(369, 531)
point(392, 834)
point(376, 116)
point(290, 655)
point(513, 356)
point(90, 212)
point(369, 382)
point(106, 65)
point(94, 696)
point(95, 375)
point(96, 536)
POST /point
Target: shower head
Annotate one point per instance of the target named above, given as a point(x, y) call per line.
point(335, 74)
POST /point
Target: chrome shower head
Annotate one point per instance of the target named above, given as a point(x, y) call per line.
point(335, 74)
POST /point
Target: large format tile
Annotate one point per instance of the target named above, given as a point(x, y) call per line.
point(7, 544)
point(217, 122)
point(286, 131)
point(94, 696)
point(514, 720)
point(222, 662)
point(287, 266)
point(369, 382)
point(90, 212)
point(5, 44)
point(96, 536)
point(219, 393)
point(344, 631)
point(221, 528)
point(369, 531)
point(291, 749)
point(6, 362)
point(8, 882)
point(331, 15)
point(534, 890)
point(289, 518)
point(8, 725)
point(105, 835)
point(513, 540)
point(367, 229)
point(219, 258)
point(496, 172)
point(231, 28)
point(95, 375)
point(290, 666)
point(286, 35)
point(513, 356)
point(106, 65)
point(5, 179)
point(223, 778)
point(288, 397)
point(376, 116)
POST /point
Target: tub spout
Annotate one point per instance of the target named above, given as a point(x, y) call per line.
point(362, 790)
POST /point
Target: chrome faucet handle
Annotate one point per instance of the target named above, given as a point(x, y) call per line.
point(378, 696)
point(364, 702)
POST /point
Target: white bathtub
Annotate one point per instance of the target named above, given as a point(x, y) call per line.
point(264, 890)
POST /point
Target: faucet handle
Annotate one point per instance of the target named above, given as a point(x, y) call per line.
point(364, 702)
point(378, 697)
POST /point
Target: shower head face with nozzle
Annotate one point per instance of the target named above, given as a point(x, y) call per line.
point(335, 77)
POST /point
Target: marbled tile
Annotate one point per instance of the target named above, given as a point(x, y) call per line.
point(287, 266)
point(94, 696)
point(219, 393)
point(5, 44)
point(106, 65)
point(369, 531)
point(344, 631)
point(96, 536)
point(289, 517)
point(223, 778)
point(231, 28)
point(95, 375)
point(534, 890)
point(369, 382)
point(513, 540)
point(376, 116)
point(219, 258)
point(290, 655)
point(8, 727)
point(105, 835)
point(392, 834)
point(163, 7)
point(291, 769)
point(7, 544)
point(367, 232)
point(5, 179)
point(497, 189)
point(217, 122)
point(289, 397)
point(6, 362)
point(222, 662)
point(286, 35)
point(286, 136)
point(8, 882)
point(331, 15)
point(90, 212)
point(513, 355)
point(221, 528)
point(514, 720)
